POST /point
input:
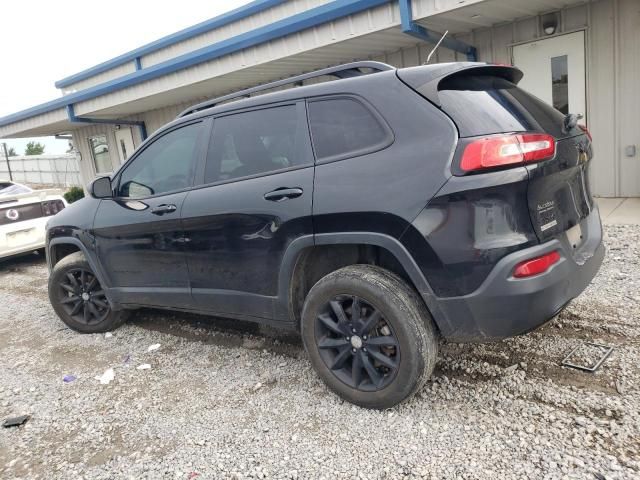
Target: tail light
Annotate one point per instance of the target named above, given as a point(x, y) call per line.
point(507, 150)
point(537, 265)
point(51, 207)
point(586, 131)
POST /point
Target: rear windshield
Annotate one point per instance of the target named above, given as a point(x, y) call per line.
point(484, 104)
point(7, 188)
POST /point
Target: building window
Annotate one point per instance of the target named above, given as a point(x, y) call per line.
point(560, 83)
point(100, 153)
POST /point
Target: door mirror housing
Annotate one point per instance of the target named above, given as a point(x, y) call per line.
point(101, 188)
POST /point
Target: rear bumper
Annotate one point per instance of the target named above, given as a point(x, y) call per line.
point(22, 237)
point(504, 306)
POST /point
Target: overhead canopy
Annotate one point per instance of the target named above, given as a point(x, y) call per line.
point(335, 32)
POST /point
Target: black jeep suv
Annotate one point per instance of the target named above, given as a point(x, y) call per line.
point(374, 213)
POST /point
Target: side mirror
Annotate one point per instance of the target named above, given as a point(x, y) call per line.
point(101, 188)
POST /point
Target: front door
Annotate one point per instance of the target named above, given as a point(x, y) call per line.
point(256, 200)
point(554, 71)
point(138, 233)
point(124, 141)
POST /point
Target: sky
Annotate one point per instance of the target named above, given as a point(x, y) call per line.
point(42, 41)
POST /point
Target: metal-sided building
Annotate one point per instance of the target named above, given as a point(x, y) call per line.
point(583, 57)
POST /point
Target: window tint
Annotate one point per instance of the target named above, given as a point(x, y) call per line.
point(255, 142)
point(343, 126)
point(165, 165)
point(484, 104)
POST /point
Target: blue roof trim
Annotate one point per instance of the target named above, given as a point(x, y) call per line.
point(252, 8)
point(287, 26)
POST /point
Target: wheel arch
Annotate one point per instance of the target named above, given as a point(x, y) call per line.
point(60, 247)
point(295, 279)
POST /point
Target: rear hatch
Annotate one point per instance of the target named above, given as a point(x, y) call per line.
point(485, 103)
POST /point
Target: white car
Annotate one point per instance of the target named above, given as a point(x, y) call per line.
point(23, 216)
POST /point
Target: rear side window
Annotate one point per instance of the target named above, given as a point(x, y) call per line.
point(256, 142)
point(484, 104)
point(344, 127)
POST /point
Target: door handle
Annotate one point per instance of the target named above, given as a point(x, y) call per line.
point(281, 194)
point(163, 208)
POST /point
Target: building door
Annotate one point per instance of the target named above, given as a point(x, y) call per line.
point(554, 71)
point(124, 140)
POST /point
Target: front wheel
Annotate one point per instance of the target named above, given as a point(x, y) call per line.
point(369, 336)
point(78, 298)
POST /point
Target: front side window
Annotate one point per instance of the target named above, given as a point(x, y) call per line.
point(256, 142)
point(166, 165)
point(342, 127)
point(100, 153)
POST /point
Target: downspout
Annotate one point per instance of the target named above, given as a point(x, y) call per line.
point(140, 124)
point(418, 31)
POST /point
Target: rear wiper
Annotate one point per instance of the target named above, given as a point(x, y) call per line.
point(570, 121)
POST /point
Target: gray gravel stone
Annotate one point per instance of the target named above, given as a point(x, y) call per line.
point(221, 401)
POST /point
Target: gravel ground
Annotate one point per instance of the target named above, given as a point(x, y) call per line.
point(225, 400)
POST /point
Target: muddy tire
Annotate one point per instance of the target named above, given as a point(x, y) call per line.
point(77, 297)
point(369, 336)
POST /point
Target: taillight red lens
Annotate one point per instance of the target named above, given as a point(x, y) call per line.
point(537, 265)
point(504, 150)
point(51, 207)
point(586, 131)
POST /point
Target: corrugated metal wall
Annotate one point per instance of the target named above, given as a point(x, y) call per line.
point(153, 119)
point(612, 31)
point(81, 142)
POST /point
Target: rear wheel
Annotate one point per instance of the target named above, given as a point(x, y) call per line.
point(78, 298)
point(369, 336)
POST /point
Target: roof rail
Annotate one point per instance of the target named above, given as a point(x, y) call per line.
point(346, 70)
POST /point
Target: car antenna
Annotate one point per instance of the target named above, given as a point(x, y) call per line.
point(436, 47)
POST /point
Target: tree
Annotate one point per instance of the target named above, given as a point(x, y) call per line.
point(12, 152)
point(34, 148)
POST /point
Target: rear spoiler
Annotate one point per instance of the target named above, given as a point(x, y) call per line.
point(426, 79)
point(36, 195)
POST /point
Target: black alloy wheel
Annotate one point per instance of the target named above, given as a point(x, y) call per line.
point(356, 343)
point(369, 335)
point(82, 297)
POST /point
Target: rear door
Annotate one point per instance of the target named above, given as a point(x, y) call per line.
point(138, 233)
point(255, 199)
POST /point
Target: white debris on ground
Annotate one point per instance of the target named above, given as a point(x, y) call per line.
point(223, 402)
point(106, 377)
